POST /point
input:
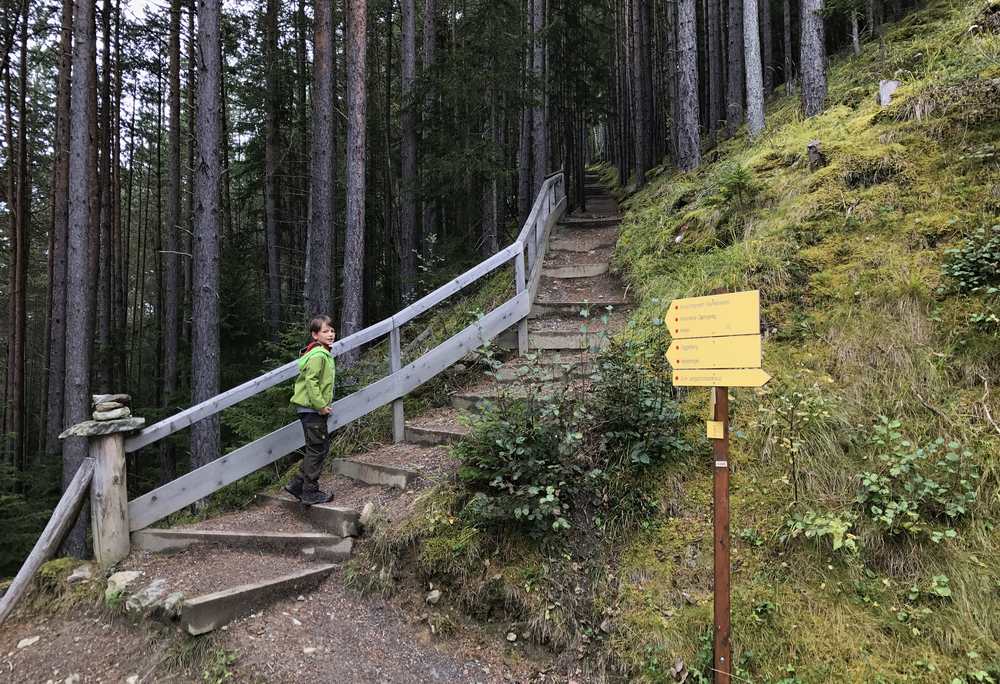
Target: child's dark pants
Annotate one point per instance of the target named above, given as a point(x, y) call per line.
point(314, 452)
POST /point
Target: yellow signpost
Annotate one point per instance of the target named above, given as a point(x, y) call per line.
point(716, 343)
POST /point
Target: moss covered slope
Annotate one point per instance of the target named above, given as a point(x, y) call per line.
point(861, 322)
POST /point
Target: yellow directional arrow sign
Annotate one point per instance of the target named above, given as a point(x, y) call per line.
point(716, 315)
point(739, 377)
point(736, 351)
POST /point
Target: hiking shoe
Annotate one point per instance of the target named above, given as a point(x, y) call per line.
point(295, 489)
point(317, 496)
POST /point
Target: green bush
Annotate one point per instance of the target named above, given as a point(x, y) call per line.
point(922, 492)
point(974, 266)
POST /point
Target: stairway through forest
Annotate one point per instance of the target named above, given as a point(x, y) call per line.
point(271, 575)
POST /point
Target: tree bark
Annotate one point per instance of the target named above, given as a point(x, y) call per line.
point(271, 192)
point(766, 47)
point(855, 34)
point(103, 366)
point(171, 228)
point(207, 216)
point(354, 244)
point(787, 40)
point(735, 84)
point(319, 253)
point(60, 217)
point(540, 143)
point(813, 58)
point(79, 246)
point(408, 157)
point(755, 85)
point(716, 105)
point(430, 46)
point(688, 142)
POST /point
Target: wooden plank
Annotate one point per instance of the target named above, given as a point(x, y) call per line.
point(191, 415)
point(60, 522)
point(520, 285)
point(109, 499)
point(535, 275)
point(395, 361)
point(185, 490)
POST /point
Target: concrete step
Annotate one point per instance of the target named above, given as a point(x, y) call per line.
point(568, 340)
point(563, 244)
point(576, 270)
point(436, 435)
point(166, 540)
point(543, 372)
point(336, 520)
point(570, 309)
point(207, 612)
point(374, 473)
point(591, 222)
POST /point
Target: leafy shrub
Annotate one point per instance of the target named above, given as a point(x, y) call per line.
point(974, 266)
point(820, 526)
point(532, 462)
point(922, 491)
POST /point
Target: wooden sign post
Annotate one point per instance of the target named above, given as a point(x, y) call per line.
point(717, 344)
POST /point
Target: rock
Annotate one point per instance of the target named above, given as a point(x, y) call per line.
point(119, 581)
point(511, 637)
point(72, 679)
point(309, 650)
point(149, 597)
point(297, 623)
point(116, 398)
point(116, 414)
point(300, 597)
point(95, 428)
point(132, 679)
point(885, 91)
point(30, 641)
point(309, 551)
point(817, 159)
point(367, 513)
point(606, 626)
point(433, 597)
point(172, 604)
point(108, 406)
point(82, 573)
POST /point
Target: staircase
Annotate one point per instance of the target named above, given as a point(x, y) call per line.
point(237, 563)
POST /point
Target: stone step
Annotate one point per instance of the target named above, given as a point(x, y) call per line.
point(436, 435)
point(568, 309)
point(576, 271)
point(207, 612)
point(542, 372)
point(564, 244)
point(337, 520)
point(567, 340)
point(592, 222)
point(374, 473)
point(156, 540)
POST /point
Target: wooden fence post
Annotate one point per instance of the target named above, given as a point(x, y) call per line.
point(395, 363)
point(109, 499)
point(520, 283)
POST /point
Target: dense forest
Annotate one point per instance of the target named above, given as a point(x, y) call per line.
point(184, 183)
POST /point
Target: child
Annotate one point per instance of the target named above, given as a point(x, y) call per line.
point(312, 398)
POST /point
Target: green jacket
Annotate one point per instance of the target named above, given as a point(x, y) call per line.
point(314, 386)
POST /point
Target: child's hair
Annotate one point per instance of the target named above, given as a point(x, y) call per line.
point(317, 323)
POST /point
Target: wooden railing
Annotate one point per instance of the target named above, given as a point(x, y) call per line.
point(527, 253)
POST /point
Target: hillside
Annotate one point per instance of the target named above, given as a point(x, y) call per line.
point(865, 490)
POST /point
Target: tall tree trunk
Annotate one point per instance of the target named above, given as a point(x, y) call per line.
point(430, 45)
point(79, 246)
point(735, 82)
point(716, 107)
point(319, 253)
point(766, 47)
point(524, 168)
point(855, 34)
point(354, 244)
point(169, 298)
point(787, 41)
point(207, 215)
point(540, 150)
point(688, 142)
point(813, 58)
point(103, 342)
point(640, 86)
point(755, 85)
point(408, 156)
point(60, 216)
point(272, 105)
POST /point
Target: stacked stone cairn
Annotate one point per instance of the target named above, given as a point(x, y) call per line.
point(111, 406)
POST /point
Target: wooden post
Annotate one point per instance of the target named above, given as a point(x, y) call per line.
point(109, 499)
point(395, 363)
point(722, 665)
point(522, 325)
